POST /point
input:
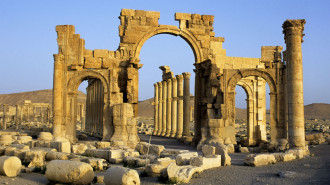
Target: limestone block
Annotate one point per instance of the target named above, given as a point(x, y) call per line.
point(101, 53)
point(102, 144)
point(127, 12)
point(208, 150)
point(97, 153)
point(183, 16)
point(121, 176)
point(206, 162)
point(221, 149)
point(184, 159)
point(116, 154)
point(35, 158)
point(244, 150)
point(96, 163)
point(284, 157)
point(46, 136)
point(172, 153)
point(259, 160)
point(152, 158)
point(182, 174)
point(311, 137)
point(56, 156)
point(141, 162)
point(62, 146)
point(70, 172)
point(20, 146)
point(230, 148)
point(142, 148)
point(42, 144)
point(6, 140)
point(79, 148)
point(24, 139)
point(165, 161)
point(298, 153)
point(10, 166)
point(9, 151)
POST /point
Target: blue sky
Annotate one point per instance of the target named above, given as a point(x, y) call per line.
point(28, 37)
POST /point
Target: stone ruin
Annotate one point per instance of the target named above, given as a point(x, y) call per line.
point(113, 82)
point(112, 97)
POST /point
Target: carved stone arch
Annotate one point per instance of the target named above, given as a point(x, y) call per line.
point(246, 88)
point(184, 34)
point(232, 82)
point(80, 76)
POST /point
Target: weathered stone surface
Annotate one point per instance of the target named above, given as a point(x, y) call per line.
point(165, 161)
point(142, 147)
point(182, 174)
point(35, 158)
point(184, 158)
point(284, 157)
point(206, 162)
point(298, 153)
point(98, 153)
point(46, 136)
point(56, 156)
point(259, 160)
point(102, 144)
point(244, 150)
point(6, 140)
point(208, 150)
point(74, 172)
point(221, 149)
point(96, 163)
point(230, 148)
point(121, 176)
point(79, 148)
point(61, 145)
point(10, 166)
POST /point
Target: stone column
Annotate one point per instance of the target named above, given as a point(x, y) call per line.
point(160, 108)
point(83, 126)
point(169, 108)
point(156, 110)
point(293, 35)
point(17, 117)
point(164, 107)
point(174, 107)
point(180, 106)
point(186, 105)
point(57, 95)
point(4, 125)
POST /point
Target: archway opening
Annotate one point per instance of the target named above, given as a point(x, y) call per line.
point(90, 109)
point(162, 50)
point(241, 113)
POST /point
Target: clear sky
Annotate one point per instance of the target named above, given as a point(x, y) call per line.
point(28, 37)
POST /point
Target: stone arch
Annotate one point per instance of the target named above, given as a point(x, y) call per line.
point(232, 82)
point(72, 86)
point(184, 34)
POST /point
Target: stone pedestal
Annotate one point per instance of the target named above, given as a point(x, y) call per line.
point(174, 107)
point(156, 110)
point(169, 108)
point(186, 105)
point(293, 35)
point(180, 106)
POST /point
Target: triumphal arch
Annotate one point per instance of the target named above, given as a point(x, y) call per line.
point(113, 77)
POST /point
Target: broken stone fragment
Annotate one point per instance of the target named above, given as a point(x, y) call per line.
point(284, 157)
point(10, 166)
point(184, 159)
point(64, 171)
point(56, 156)
point(142, 148)
point(46, 136)
point(182, 174)
point(121, 176)
point(259, 160)
point(211, 161)
point(221, 149)
point(79, 148)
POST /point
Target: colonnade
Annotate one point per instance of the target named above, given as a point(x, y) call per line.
point(94, 108)
point(172, 106)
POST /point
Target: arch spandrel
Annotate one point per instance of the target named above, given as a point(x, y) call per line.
point(172, 30)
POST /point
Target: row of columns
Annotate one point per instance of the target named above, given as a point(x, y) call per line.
point(94, 108)
point(172, 107)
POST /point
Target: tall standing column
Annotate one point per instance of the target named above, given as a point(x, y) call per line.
point(57, 95)
point(17, 117)
point(160, 108)
point(174, 107)
point(82, 120)
point(4, 126)
point(169, 108)
point(186, 105)
point(180, 106)
point(164, 107)
point(156, 110)
point(293, 35)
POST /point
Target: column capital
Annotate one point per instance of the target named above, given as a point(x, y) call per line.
point(179, 77)
point(164, 83)
point(169, 80)
point(294, 27)
point(159, 84)
point(156, 84)
point(186, 74)
point(174, 79)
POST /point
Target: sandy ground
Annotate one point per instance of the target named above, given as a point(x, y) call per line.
point(310, 170)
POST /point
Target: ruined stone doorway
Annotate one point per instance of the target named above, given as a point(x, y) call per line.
point(166, 50)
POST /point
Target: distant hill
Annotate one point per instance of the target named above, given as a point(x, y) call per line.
point(41, 96)
point(317, 111)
